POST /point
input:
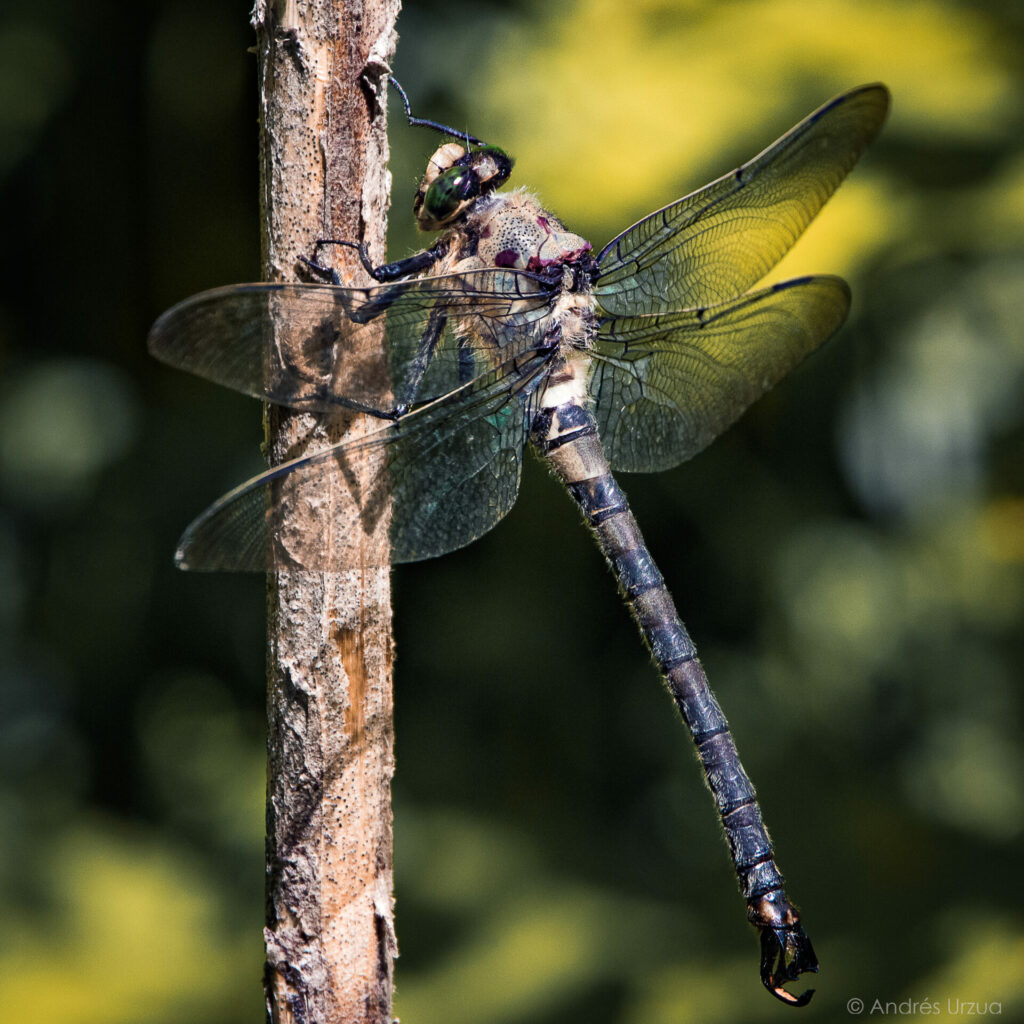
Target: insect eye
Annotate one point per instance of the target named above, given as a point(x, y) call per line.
point(493, 166)
point(448, 191)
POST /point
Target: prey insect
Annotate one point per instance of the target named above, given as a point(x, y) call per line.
point(511, 331)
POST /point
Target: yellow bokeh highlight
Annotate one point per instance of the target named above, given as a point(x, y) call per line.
point(711, 992)
point(610, 116)
point(541, 945)
point(986, 966)
point(1002, 530)
point(134, 938)
point(996, 212)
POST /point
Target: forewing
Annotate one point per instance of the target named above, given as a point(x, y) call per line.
point(438, 478)
point(317, 347)
point(722, 239)
point(665, 386)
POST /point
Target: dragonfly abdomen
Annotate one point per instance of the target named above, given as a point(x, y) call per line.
point(568, 437)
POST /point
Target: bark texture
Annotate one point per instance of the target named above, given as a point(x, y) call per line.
point(330, 938)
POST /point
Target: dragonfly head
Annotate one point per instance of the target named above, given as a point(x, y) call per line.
point(455, 179)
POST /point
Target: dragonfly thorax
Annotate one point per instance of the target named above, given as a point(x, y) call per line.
point(514, 231)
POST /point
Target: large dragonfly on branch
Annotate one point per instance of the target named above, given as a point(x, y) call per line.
point(510, 331)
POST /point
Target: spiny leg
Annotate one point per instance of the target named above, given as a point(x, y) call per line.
point(373, 308)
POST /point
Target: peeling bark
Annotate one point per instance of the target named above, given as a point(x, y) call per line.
point(330, 938)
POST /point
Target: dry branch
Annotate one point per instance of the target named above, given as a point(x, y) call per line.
point(329, 936)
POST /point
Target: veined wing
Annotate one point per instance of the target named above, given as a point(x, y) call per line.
point(722, 239)
point(316, 346)
point(445, 474)
point(666, 385)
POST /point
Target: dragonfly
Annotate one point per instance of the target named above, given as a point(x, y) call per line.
point(510, 332)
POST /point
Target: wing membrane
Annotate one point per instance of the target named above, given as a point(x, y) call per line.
point(316, 347)
point(666, 385)
point(722, 239)
point(437, 479)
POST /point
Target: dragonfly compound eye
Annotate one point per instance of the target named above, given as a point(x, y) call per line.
point(455, 179)
point(448, 192)
point(492, 165)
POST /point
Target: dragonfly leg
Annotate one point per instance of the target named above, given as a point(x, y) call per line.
point(421, 360)
point(373, 307)
point(385, 272)
point(377, 302)
point(329, 274)
point(422, 122)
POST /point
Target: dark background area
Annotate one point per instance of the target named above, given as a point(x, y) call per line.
point(849, 558)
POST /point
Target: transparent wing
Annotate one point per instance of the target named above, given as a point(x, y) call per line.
point(316, 347)
point(720, 240)
point(666, 385)
point(428, 483)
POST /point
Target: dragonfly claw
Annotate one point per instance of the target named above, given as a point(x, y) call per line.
point(786, 951)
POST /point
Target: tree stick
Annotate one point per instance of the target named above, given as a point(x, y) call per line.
point(329, 934)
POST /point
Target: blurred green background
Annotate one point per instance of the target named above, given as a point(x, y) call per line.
point(849, 557)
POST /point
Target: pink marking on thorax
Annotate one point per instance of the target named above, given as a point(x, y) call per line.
point(568, 256)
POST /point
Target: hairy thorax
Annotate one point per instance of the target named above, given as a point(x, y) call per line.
point(513, 231)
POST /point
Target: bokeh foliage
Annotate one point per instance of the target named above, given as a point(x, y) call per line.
point(849, 557)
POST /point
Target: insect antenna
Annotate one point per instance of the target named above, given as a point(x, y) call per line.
point(422, 122)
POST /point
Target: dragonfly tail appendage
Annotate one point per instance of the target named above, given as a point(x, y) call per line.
point(574, 451)
point(786, 951)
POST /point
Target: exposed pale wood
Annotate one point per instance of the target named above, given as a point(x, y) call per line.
point(330, 936)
